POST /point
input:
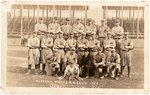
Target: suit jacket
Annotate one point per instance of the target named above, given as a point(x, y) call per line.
point(87, 60)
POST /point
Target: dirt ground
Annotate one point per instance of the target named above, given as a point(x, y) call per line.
point(17, 67)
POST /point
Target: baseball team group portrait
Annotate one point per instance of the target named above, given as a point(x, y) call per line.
point(76, 45)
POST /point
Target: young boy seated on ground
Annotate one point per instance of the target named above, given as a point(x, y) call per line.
point(71, 72)
point(72, 68)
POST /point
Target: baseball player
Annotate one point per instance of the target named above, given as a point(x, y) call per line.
point(78, 27)
point(114, 64)
point(67, 29)
point(34, 54)
point(52, 63)
point(102, 31)
point(71, 42)
point(82, 44)
point(90, 27)
point(93, 43)
point(76, 34)
point(109, 41)
point(126, 53)
point(40, 27)
point(54, 26)
point(71, 57)
point(108, 44)
point(117, 32)
point(99, 62)
point(60, 44)
point(46, 44)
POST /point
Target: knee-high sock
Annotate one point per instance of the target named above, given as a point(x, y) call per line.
point(29, 66)
point(116, 72)
point(43, 67)
point(56, 71)
point(122, 68)
point(129, 70)
point(36, 66)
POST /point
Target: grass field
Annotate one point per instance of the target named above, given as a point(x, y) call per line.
point(17, 67)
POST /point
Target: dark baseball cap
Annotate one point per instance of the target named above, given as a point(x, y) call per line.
point(67, 19)
point(117, 21)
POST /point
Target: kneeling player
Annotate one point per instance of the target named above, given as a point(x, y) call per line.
point(52, 65)
point(99, 62)
point(114, 64)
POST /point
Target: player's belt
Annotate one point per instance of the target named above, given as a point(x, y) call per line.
point(41, 33)
point(32, 48)
point(107, 50)
point(81, 50)
point(101, 36)
point(117, 37)
point(92, 50)
point(66, 34)
point(60, 48)
point(126, 50)
point(46, 48)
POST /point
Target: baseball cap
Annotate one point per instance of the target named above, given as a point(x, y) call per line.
point(113, 50)
point(55, 50)
point(71, 33)
point(103, 20)
point(83, 33)
point(73, 49)
point(108, 33)
point(34, 32)
point(50, 31)
point(78, 19)
point(40, 18)
point(107, 46)
point(46, 31)
point(99, 49)
point(75, 32)
point(67, 19)
point(93, 33)
point(89, 34)
point(117, 21)
point(89, 20)
point(59, 32)
point(55, 18)
point(126, 33)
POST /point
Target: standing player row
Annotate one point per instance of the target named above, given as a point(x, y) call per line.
point(84, 47)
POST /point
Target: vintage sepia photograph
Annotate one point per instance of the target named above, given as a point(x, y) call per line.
point(77, 45)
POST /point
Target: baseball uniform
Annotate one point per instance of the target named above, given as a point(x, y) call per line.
point(46, 45)
point(114, 65)
point(67, 29)
point(117, 32)
point(34, 54)
point(126, 55)
point(54, 27)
